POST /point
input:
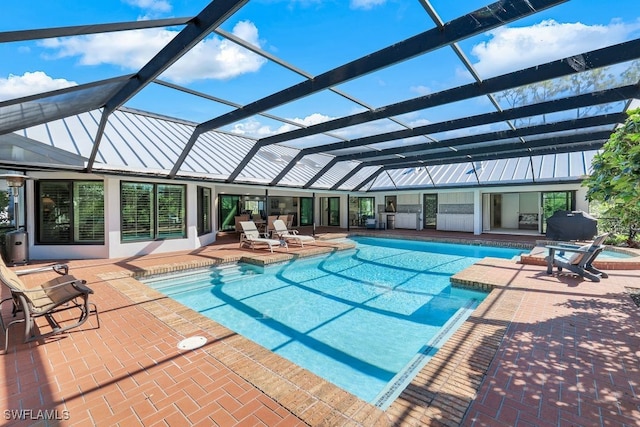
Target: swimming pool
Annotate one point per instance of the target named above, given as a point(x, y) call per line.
point(365, 319)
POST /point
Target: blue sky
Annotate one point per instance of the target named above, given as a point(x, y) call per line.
point(313, 35)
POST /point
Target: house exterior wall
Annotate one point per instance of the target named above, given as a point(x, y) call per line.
point(118, 249)
point(113, 246)
point(470, 200)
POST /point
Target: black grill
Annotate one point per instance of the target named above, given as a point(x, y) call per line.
point(571, 225)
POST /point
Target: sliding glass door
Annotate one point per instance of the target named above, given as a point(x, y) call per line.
point(228, 208)
point(330, 211)
point(306, 211)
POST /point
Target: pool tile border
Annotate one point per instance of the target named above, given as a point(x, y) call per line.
point(460, 241)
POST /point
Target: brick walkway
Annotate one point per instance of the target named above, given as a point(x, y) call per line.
point(566, 351)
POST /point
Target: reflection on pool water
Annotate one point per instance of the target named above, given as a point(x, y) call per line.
point(365, 319)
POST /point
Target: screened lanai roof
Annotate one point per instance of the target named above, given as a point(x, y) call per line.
point(406, 101)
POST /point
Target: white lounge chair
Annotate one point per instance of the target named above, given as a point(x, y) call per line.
point(283, 233)
point(251, 236)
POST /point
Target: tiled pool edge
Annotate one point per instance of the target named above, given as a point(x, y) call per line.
point(459, 241)
point(403, 378)
point(441, 392)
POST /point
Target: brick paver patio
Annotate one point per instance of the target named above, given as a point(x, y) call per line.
point(539, 350)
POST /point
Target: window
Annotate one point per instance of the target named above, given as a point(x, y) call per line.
point(70, 212)
point(360, 210)
point(136, 201)
point(152, 211)
point(334, 210)
point(553, 201)
point(204, 210)
point(253, 205)
point(171, 211)
point(228, 208)
point(390, 203)
point(430, 210)
point(88, 208)
point(367, 207)
point(7, 209)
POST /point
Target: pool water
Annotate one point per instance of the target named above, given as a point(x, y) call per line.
point(365, 319)
point(610, 254)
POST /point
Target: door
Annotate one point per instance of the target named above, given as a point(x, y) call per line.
point(330, 211)
point(228, 209)
point(430, 210)
point(334, 211)
point(366, 209)
point(306, 211)
point(510, 208)
point(496, 210)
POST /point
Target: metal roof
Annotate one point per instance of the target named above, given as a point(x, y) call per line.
point(89, 127)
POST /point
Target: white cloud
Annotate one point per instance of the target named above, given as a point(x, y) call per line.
point(216, 58)
point(30, 84)
point(129, 50)
point(510, 49)
point(366, 4)
point(150, 5)
point(311, 120)
point(421, 90)
point(421, 121)
point(256, 129)
point(252, 128)
point(212, 58)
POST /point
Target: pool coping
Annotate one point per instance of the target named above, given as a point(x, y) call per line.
point(442, 391)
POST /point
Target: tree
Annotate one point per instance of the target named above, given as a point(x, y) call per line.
point(615, 178)
point(591, 80)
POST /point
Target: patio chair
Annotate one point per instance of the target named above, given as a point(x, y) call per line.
point(251, 236)
point(260, 223)
point(238, 219)
point(64, 293)
point(270, 220)
point(289, 219)
point(581, 260)
point(283, 233)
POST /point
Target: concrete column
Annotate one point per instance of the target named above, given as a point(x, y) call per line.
point(477, 212)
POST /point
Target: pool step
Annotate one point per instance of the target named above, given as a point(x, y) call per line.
point(232, 272)
point(188, 281)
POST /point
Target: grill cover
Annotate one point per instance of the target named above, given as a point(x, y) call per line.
point(571, 225)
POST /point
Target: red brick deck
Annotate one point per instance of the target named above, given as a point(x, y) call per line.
point(539, 350)
point(569, 353)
